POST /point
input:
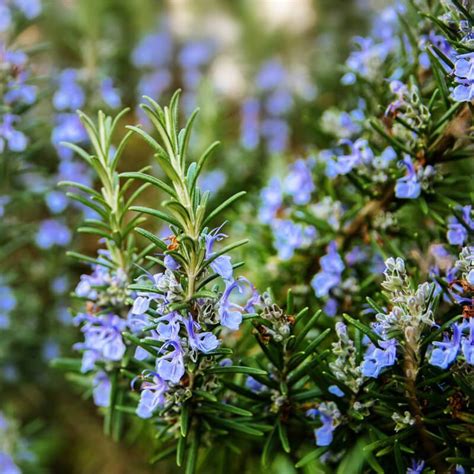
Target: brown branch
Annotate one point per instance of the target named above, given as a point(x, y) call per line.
point(411, 371)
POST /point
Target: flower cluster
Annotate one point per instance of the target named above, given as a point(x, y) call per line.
point(182, 338)
point(154, 56)
point(263, 116)
point(275, 209)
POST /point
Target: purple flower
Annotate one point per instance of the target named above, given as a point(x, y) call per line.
point(204, 342)
point(299, 182)
point(152, 396)
point(290, 236)
point(276, 133)
point(170, 366)
point(102, 339)
point(68, 128)
point(155, 83)
point(195, 54)
point(417, 467)
point(101, 389)
point(328, 415)
point(271, 75)
point(222, 264)
point(69, 94)
point(464, 76)
point(335, 390)
point(409, 186)
point(458, 231)
point(170, 263)
point(330, 274)
point(10, 137)
point(30, 8)
point(467, 343)
point(278, 102)
point(52, 232)
point(254, 385)
point(377, 358)
point(249, 128)
point(154, 50)
point(230, 314)
point(444, 353)
point(56, 201)
point(212, 181)
point(7, 465)
point(272, 200)
point(110, 94)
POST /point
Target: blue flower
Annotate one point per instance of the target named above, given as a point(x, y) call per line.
point(467, 343)
point(195, 54)
point(171, 263)
point(212, 181)
point(152, 396)
point(278, 102)
point(69, 94)
point(204, 342)
point(10, 137)
point(7, 465)
point(288, 236)
point(254, 385)
point(110, 94)
point(271, 75)
point(230, 314)
point(329, 415)
point(68, 128)
point(416, 467)
point(464, 76)
point(335, 390)
point(154, 50)
point(444, 353)
point(377, 358)
point(272, 200)
point(170, 366)
point(101, 389)
point(249, 128)
point(409, 186)
point(222, 264)
point(299, 182)
point(330, 274)
point(30, 8)
point(458, 231)
point(52, 232)
point(102, 339)
point(276, 133)
point(56, 201)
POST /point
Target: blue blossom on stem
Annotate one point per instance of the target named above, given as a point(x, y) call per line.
point(464, 76)
point(377, 358)
point(102, 339)
point(458, 231)
point(222, 264)
point(329, 416)
point(101, 389)
point(299, 182)
point(330, 274)
point(444, 353)
point(409, 186)
point(170, 366)
point(417, 467)
point(152, 395)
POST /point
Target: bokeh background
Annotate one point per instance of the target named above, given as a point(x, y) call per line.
point(263, 72)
